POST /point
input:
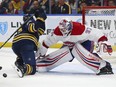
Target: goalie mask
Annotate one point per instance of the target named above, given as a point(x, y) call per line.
point(65, 26)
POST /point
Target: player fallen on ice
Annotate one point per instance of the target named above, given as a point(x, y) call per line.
point(78, 42)
point(25, 43)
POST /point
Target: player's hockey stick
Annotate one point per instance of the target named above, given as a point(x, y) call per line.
point(15, 32)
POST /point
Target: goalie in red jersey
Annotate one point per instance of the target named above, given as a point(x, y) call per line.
point(78, 42)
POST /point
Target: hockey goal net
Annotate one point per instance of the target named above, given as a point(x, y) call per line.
point(103, 18)
point(98, 11)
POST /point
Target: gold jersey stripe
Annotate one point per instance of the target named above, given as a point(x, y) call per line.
point(25, 34)
point(41, 31)
point(39, 18)
point(22, 36)
point(31, 27)
point(29, 69)
point(36, 43)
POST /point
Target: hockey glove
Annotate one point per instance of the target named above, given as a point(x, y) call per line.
point(104, 47)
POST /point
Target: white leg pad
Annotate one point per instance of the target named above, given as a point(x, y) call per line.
point(86, 58)
point(54, 59)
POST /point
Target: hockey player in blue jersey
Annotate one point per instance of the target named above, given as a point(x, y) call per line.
point(25, 43)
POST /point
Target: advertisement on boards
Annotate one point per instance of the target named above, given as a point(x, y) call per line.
point(8, 24)
point(105, 23)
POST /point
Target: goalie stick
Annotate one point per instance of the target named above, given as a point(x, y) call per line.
point(15, 32)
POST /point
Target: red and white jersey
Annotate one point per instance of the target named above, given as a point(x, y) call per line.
point(79, 33)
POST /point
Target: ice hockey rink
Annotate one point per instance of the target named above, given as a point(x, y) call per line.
point(70, 74)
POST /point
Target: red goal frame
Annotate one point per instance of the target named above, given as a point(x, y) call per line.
point(94, 7)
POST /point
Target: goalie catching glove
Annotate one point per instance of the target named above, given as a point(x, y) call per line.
point(104, 47)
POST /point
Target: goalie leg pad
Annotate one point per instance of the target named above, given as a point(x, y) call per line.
point(86, 58)
point(54, 59)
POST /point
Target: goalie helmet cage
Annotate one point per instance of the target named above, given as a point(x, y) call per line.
point(98, 11)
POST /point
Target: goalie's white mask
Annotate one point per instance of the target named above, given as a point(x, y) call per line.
point(65, 26)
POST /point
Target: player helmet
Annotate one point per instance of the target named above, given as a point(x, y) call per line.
point(40, 13)
point(65, 26)
point(26, 17)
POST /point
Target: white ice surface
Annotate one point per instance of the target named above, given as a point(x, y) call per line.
point(70, 74)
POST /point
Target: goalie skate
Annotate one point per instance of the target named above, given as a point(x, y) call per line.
point(106, 70)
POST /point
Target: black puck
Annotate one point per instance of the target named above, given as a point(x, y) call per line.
point(4, 75)
point(0, 67)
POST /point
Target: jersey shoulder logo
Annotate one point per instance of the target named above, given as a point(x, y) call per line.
point(88, 30)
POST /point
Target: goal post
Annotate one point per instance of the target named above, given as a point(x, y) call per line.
point(103, 18)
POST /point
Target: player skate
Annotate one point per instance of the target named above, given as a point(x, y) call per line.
point(20, 70)
point(19, 67)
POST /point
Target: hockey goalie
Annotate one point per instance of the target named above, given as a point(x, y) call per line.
point(78, 42)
